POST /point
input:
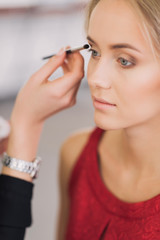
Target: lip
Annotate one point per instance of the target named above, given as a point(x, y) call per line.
point(100, 100)
point(102, 104)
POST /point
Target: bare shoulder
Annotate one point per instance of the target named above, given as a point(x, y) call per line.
point(73, 146)
point(69, 153)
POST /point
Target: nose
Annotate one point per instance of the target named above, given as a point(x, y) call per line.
point(101, 75)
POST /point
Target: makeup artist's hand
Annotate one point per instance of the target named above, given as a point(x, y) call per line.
point(39, 99)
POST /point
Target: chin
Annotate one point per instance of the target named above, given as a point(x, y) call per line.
point(103, 124)
point(107, 123)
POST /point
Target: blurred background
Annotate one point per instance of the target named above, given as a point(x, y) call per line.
point(31, 29)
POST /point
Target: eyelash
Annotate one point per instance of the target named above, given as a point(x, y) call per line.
point(92, 51)
point(131, 61)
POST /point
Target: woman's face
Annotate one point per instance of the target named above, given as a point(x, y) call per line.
point(122, 69)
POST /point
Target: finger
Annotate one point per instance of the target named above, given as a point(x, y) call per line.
point(72, 94)
point(68, 47)
point(71, 77)
point(73, 91)
point(76, 88)
point(75, 62)
point(64, 84)
point(69, 80)
point(70, 60)
point(65, 67)
point(47, 70)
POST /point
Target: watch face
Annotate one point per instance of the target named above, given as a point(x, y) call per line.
point(7, 161)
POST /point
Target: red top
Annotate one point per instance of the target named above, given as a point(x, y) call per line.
point(96, 214)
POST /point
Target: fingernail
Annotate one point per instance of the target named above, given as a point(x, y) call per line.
point(61, 51)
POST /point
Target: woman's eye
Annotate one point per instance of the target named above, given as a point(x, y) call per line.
point(94, 53)
point(125, 63)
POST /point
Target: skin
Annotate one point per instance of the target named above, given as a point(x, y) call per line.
point(38, 100)
point(132, 137)
point(133, 85)
point(3, 145)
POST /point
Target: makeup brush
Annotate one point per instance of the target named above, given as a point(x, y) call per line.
point(70, 50)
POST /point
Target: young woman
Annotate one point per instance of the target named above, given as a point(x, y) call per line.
point(109, 176)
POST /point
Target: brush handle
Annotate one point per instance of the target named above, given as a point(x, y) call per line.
point(68, 51)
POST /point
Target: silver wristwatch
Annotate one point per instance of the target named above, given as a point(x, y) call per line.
point(31, 168)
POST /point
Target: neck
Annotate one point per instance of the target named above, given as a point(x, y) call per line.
point(140, 147)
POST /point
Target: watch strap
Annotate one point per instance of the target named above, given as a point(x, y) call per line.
point(31, 168)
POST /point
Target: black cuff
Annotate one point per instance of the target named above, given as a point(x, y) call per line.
point(8, 233)
point(15, 202)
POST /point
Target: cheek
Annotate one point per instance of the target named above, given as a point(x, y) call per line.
point(141, 84)
point(147, 84)
point(141, 95)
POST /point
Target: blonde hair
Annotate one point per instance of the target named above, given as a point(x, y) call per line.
point(149, 13)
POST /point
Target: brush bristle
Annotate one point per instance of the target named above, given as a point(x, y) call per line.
point(86, 46)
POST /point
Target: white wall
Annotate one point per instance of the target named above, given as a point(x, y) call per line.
point(17, 3)
point(25, 39)
point(26, 3)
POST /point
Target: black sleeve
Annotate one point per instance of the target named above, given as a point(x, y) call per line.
point(15, 207)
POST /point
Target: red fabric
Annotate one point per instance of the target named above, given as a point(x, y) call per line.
point(96, 214)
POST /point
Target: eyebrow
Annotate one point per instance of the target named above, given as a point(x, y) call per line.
point(117, 46)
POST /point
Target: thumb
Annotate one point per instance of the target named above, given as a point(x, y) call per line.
point(47, 70)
